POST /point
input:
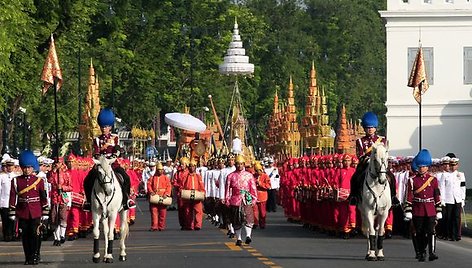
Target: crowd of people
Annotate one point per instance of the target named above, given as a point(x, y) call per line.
point(319, 191)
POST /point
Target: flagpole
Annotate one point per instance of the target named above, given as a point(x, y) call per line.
point(56, 145)
point(420, 124)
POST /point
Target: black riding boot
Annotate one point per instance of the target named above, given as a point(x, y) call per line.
point(356, 184)
point(125, 187)
point(89, 181)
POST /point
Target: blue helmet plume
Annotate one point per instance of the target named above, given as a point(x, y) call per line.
point(370, 120)
point(106, 117)
point(423, 158)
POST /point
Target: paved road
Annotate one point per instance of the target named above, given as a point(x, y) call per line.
point(281, 244)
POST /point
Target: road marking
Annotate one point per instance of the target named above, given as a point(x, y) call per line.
point(257, 254)
point(263, 259)
point(268, 263)
point(232, 246)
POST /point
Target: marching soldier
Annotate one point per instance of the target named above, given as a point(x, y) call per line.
point(107, 144)
point(158, 184)
point(423, 205)
point(60, 181)
point(8, 226)
point(193, 209)
point(263, 186)
point(28, 203)
point(453, 185)
point(241, 196)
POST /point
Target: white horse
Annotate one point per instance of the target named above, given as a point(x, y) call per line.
point(106, 204)
point(376, 202)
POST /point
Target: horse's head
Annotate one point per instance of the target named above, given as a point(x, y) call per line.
point(106, 176)
point(378, 162)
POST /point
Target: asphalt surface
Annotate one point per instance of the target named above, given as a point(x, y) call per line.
point(281, 244)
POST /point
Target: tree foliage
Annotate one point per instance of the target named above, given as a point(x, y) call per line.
point(163, 55)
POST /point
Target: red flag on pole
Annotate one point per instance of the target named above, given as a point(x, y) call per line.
point(51, 69)
point(417, 79)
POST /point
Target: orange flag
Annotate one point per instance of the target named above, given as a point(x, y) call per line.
point(418, 80)
point(51, 69)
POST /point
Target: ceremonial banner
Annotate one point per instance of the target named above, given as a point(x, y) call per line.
point(417, 79)
point(51, 69)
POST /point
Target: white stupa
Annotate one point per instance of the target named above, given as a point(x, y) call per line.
point(236, 62)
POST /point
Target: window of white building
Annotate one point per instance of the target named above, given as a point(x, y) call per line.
point(467, 65)
point(428, 57)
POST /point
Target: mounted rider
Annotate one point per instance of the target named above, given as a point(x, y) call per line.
point(107, 144)
point(364, 145)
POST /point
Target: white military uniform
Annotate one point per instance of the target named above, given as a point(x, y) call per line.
point(453, 188)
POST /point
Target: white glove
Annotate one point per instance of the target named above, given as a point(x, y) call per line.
point(13, 217)
point(44, 218)
point(438, 216)
point(463, 203)
point(408, 216)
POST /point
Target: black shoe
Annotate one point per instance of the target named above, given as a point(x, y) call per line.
point(248, 240)
point(239, 243)
point(388, 234)
point(422, 257)
point(433, 257)
point(417, 256)
point(87, 207)
point(231, 235)
point(63, 240)
point(345, 235)
point(72, 237)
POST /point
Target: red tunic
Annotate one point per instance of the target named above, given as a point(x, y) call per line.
point(193, 181)
point(263, 184)
point(159, 185)
point(425, 202)
point(31, 203)
point(64, 183)
point(363, 144)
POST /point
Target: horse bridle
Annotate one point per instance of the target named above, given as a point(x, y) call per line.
point(101, 180)
point(379, 169)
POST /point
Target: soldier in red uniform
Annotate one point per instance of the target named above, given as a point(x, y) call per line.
point(60, 181)
point(28, 203)
point(158, 184)
point(193, 209)
point(108, 144)
point(263, 185)
point(363, 151)
point(423, 205)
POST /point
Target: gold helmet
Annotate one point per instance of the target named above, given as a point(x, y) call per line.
point(239, 158)
point(258, 166)
point(159, 166)
point(193, 162)
point(185, 160)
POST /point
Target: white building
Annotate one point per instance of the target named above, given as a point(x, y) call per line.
point(445, 30)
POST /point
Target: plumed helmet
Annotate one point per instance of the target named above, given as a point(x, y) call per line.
point(423, 159)
point(370, 120)
point(28, 159)
point(106, 117)
point(159, 166)
point(414, 167)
